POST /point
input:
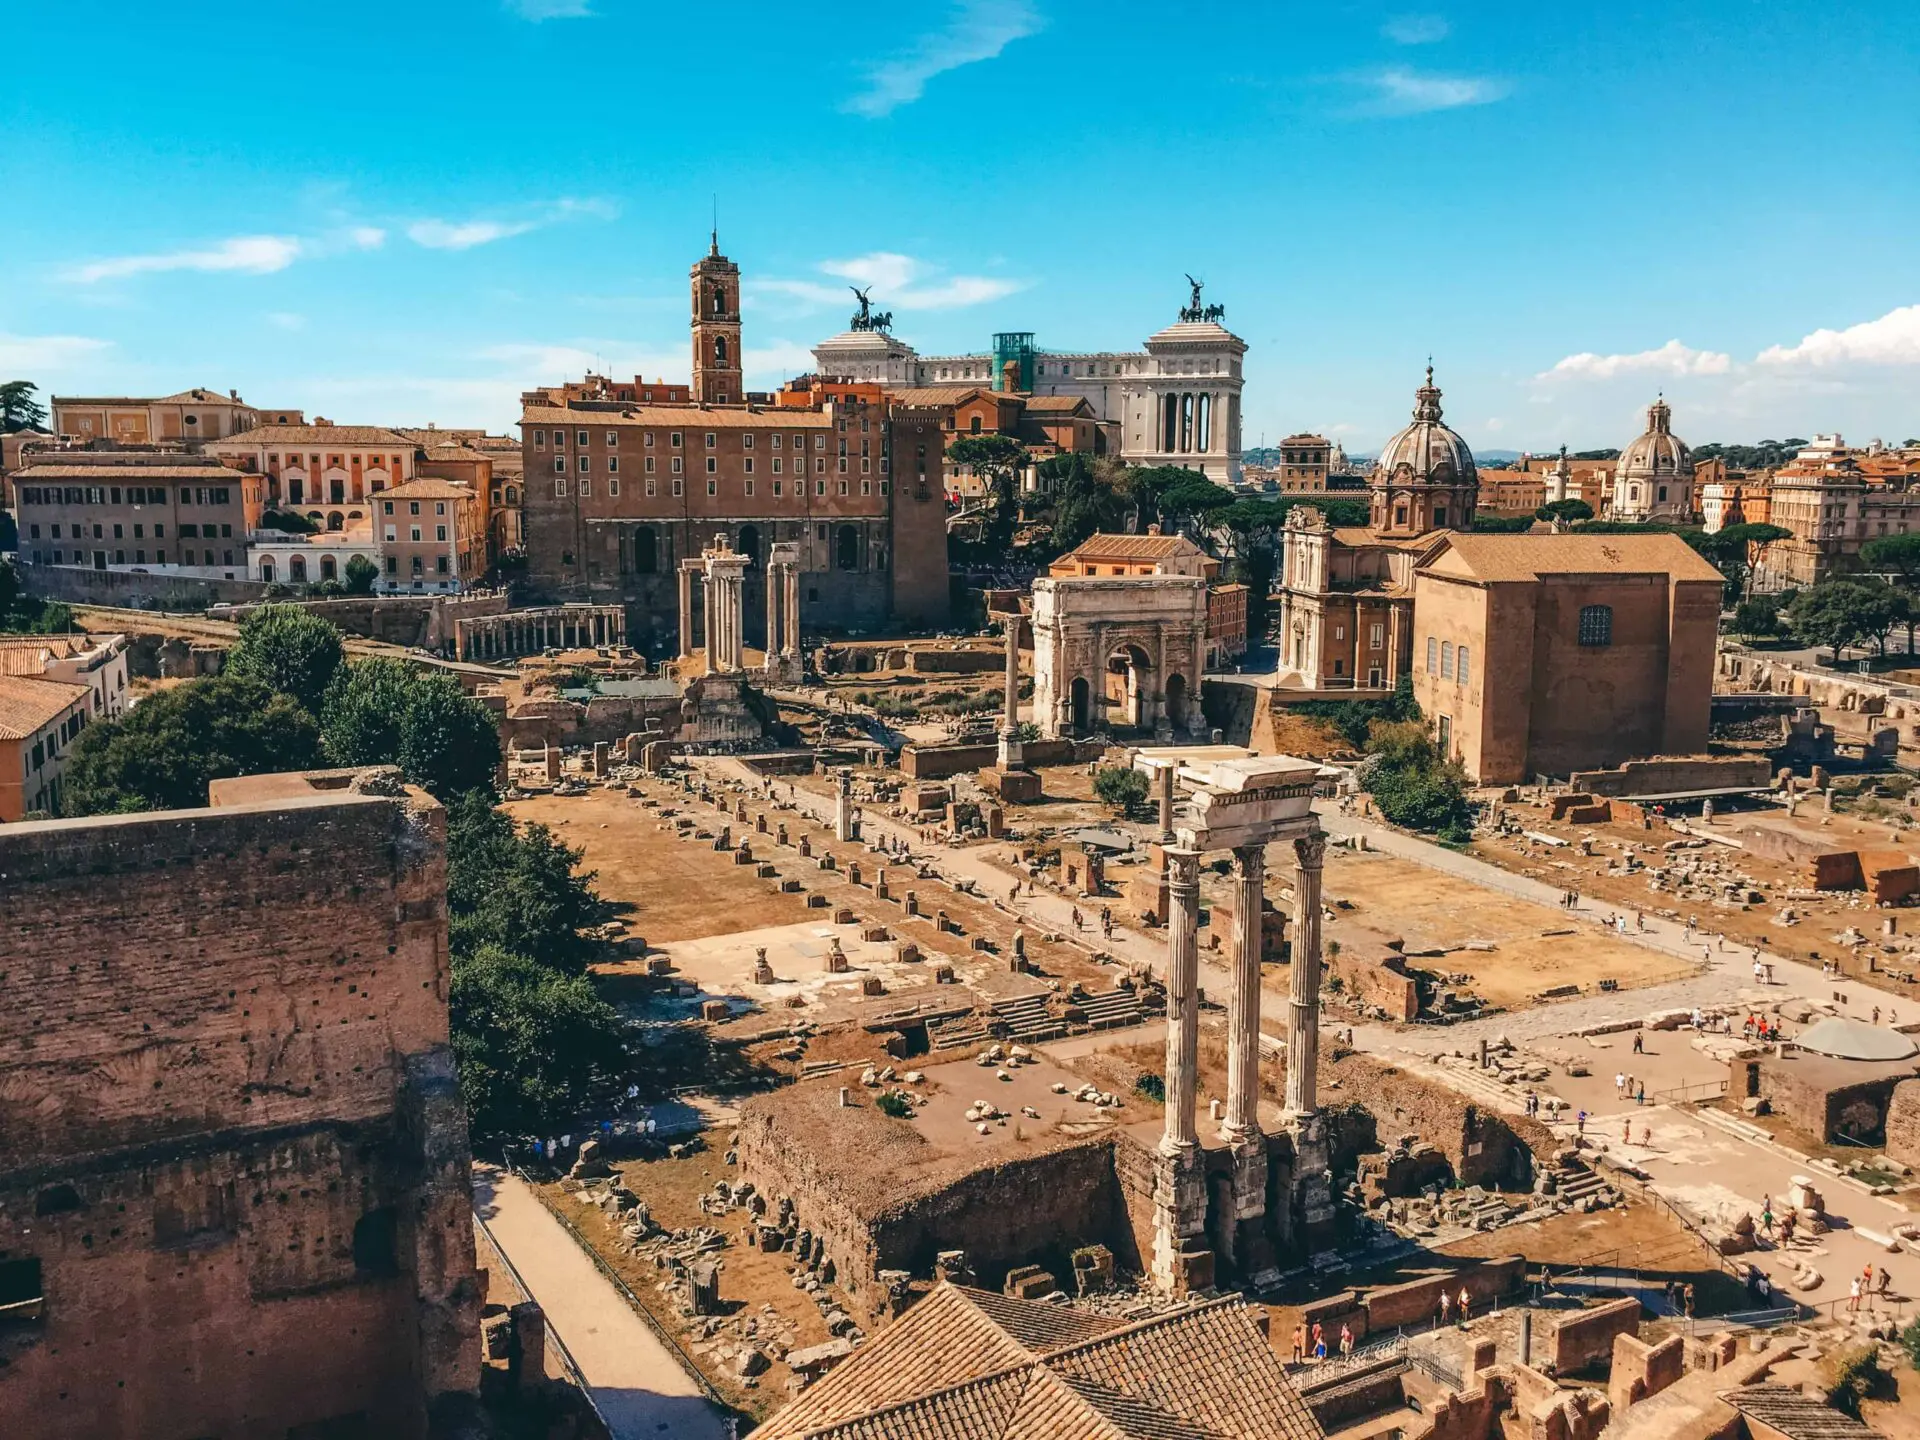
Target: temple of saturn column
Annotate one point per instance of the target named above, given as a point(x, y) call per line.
point(783, 614)
point(1243, 806)
point(722, 573)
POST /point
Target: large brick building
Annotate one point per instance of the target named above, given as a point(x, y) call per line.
point(1546, 654)
point(620, 489)
point(234, 1190)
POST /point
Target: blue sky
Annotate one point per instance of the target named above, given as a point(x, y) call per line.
point(409, 211)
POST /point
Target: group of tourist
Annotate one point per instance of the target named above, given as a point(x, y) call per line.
point(1314, 1343)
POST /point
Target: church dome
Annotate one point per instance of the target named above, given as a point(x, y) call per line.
point(1427, 452)
point(1659, 453)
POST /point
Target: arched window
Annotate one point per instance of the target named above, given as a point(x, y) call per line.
point(646, 550)
point(1433, 656)
point(336, 521)
point(329, 570)
point(297, 568)
point(1460, 666)
point(1186, 424)
point(750, 543)
point(1596, 624)
point(719, 349)
point(266, 572)
point(1170, 423)
point(1203, 426)
point(1446, 659)
point(719, 300)
point(513, 496)
point(847, 548)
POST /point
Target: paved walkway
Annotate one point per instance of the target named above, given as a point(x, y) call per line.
point(635, 1379)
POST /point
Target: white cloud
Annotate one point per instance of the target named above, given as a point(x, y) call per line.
point(1672, 358)
point(898, 281)
point(1415, 29)
point(1893, 339)
point(245, 254)
point(24, 354)
point(366, 237)
point(465, 234)
point(538, 10)
point(978, 30)
point(437, 234)
point(1400, 91)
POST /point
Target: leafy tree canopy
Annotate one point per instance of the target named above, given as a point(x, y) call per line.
point(290, 650)
point(18, 409)
point(361, 575)
point(1568, 510)
point(516, 887)
point(161, 754)
point(1759, 618)
point(1839, 613)
point(533, 1047)
point(448, 741)
point(1414, 785)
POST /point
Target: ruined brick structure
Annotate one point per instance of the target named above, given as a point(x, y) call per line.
point(233, 1163)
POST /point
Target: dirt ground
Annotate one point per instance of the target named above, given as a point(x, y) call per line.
point(1378, 897)
point(1820, 917)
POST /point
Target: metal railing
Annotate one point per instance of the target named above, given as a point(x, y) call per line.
point(571, 1365)
point(1686, 1094)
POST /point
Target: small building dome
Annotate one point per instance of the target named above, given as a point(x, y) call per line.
point(1658, 453)
point(1428, 451)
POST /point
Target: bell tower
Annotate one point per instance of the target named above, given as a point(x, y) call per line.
point(717, 376)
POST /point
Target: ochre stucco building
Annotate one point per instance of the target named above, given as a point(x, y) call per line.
point(1545, 654)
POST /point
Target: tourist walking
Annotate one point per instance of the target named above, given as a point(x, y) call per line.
point(1300, 1344)
point(1346, 1340)
point(1466, 1302)
point(1446, 1307)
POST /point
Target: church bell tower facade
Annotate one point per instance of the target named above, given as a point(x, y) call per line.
point(717, 373)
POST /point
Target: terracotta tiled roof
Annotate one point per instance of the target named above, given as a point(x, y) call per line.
point(685, 417)
point(27, 705)
point(936, 394)
point(1528, 557)
point(1795, 1414)
point(966, 1364)
point(426, 488)
point(377, 435)
point(1132, 547)
point(1056, 402)
point(1359, 537)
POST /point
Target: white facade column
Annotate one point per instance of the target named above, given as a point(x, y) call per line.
point(1243, 1004)
point(793, 608)
point(1303, 1004)
point(1183, 1000)
point(686, 612)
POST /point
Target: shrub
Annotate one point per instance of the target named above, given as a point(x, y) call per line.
point(1153, 1086)
point(1853, 1374)
point(892, 1102)
point(1119, 787)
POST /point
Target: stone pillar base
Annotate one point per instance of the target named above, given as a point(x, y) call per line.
point(1182, 1260)
point(1015, 787)
point(1252, 1244)
point(1311, 1202)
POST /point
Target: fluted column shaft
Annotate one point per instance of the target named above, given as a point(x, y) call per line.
point(1183, 998)
point(1243, 1004)
point(1303, 1005)
point(686, 612)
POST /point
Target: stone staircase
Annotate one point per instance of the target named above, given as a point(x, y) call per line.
point(1028, 1020)
point(1112, 1010)
point(1575, 1182)
point(957, 1032)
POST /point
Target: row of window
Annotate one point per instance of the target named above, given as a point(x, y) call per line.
point(188, 556)
point(650, 554)
point(378, 462)
point(413, 507)
point(584, 438)
point(1448, 661)
point(584, 464)
point(190, 531)
point(48, 746)
point(112, 495)
point(585, 487)
point(440, 533)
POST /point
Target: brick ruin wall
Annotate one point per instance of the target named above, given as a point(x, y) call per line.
point(1903, 1123)
point(232, 1143)
point(1641, 1371)
point(1033, 1209)
point(1483, 1148)
point(1586, 1337)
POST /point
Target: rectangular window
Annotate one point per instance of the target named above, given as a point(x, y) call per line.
point(392, 534)
point(676, 487)
point(713, 465)
point(1376, 636)
point(613, 487)
point(676, 464)
point(748, 462)
point(675, 439)
point(819, 487)
point(586, 463)
point(580, 438)
point(777, 438)
point(648, 442)
point(746, 441)
point(560, 489)
point(539, 439)
point(649, 465)
point(559, 464)
point(777, 485)
point(749, 487)
point(866, 487)
point(415, 537)
point(586, 488)
point(713, 487)
point(613, 464)
point(440, 532)
point(440, 564)
point(650, 484)
point(1461, 672)
point(778, 463)
point(711, 440)
point(613, 439)
point(819, 442)
point(1446, 659)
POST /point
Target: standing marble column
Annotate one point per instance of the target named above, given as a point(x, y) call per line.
point(1011, 757)
point(1183, 999)
point(843, 804)
point(686, 612)
point(775, 584)
point(1243, 1005)
point(1303, 1004)
point(1163, 777)
point(792, 646)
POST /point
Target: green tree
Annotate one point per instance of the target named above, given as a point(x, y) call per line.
point(18, 409)
point(516, 887)
point(1839, 613)
point(1120, 786)
point(448, 741)
point(1084, 500)
point(995, 459)
point(1898, 558)
point(1757, 618)
point(161, 754)
point(1734, 550)
point(1414, 785)
point(363, 716)
point(289, 649)
point(362, 573)
point(1568, 510)
point(533, 1047)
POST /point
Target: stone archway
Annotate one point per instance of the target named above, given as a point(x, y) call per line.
point(1176, 702)
point(1158, 623)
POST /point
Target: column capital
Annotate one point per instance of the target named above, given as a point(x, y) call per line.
point(1251, 860)
point(1310, 850)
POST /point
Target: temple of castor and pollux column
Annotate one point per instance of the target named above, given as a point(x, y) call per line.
point(1240, 1198)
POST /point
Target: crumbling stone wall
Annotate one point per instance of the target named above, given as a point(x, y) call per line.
point(1586, 1337)
point(1483, 1148)
point(1903, 1123)
point(1641, 1371)
point(229, 1136)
